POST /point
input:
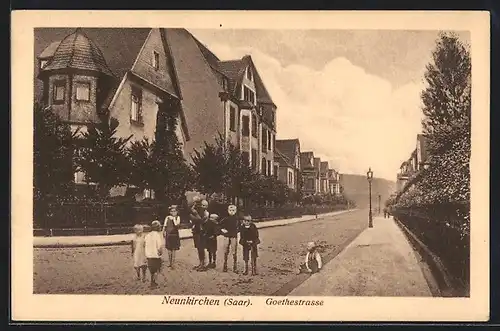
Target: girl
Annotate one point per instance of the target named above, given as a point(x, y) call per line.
point(139, 252)
point(171, 234)
point(249, 239)
point(312, 263)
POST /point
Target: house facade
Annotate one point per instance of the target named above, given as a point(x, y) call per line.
point(139, 75)
point(415, 163)
point(289, 162)
point(333, 182)
point(309, 174)
point(324, 179)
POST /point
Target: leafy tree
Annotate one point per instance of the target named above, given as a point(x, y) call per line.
point(52, 154)
point(53, 167)
point(211, 168)
point(447, 97)
point(102, 156)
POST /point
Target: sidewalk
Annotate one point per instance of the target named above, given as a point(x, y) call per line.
point(379, 262)
point(123, 239)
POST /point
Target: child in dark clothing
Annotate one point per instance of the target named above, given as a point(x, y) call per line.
point(249, 239)
point(210, 231)
point(230, 226)
point(198, 215)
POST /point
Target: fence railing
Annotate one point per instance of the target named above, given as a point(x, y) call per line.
point(115, 218)
point(444, 229)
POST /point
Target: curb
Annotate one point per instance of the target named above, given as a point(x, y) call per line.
point(304, 218)
point(438, 270)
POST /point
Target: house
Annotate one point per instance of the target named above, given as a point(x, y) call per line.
point(139, 75)
point(333, 182)
point(417, 161)
point(308, 172)
point(289, 162)
point(324, 180)
point(317, 174)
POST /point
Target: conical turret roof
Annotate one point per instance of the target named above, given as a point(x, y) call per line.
point(77, 51)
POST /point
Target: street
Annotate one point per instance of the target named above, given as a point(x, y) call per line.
point(109, 270)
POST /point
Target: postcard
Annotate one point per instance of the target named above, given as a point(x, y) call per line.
point(250, 166)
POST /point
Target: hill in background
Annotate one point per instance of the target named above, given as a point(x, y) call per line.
point(356, 189)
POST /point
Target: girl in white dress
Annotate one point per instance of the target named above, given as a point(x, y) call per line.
point(139, 252)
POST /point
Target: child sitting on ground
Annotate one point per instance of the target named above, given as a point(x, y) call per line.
point(249, 239)
point(139, 252)
point(153, 247)
point(312, 263)
point(210, 233)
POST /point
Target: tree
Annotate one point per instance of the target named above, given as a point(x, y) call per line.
point(53, 167)
point(159, 164)
point(447, 97)
point(211, 168)
point(102, 156)
point(52, 154)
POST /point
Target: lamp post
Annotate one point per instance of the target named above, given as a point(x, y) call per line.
point(369, 176)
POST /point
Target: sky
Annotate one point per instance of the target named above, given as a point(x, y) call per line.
point(350, 96)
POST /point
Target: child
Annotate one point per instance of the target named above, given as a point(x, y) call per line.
point(230, 227)
point(209, 232)
point(198, 216)
point(171, 234)
point(154, 251)
point(312, 263)
point(249, 239)
point(139, 252)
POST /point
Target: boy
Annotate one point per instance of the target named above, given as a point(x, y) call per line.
point(229, 229)
point(153, 248)
point(249, 239)
point(198, 215)
point(209, 234)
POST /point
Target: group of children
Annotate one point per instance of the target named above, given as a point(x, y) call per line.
point(147, 249)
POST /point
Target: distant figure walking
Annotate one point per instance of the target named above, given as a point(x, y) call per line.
point(386, 212)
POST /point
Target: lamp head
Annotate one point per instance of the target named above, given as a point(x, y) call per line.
point(369, 174)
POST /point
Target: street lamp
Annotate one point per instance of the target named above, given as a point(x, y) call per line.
point(379, 198)
point(369, 176)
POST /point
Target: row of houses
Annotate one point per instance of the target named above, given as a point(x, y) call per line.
point(411, 167)
point(139, 75)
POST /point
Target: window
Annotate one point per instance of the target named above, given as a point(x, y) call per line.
point(245, 122)
point(224, 84)
point(248, 95)
point(135, 110)
point(246, 157)
point(156, 60)
point(254, 126)
point(263, 165)
point(269, 167)
point(232, 118)
point(82, 91)
point(310, 184)
point(290, 178)
point(249, 73)
point(269, 141)
point(264, 140)
point(272, 117)
point(276, 169)
point(254, 159)
point(59, 91)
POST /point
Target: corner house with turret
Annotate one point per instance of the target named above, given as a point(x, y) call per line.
point(137, 75)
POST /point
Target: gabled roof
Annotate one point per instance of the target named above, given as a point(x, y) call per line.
point(235, 69)
point(282, 158)
point(324, 167)
point(305, 158)
point(288, 147)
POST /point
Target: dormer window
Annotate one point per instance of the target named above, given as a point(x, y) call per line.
point(224, 84)
point(248, 95)
point(43, 63)
point(82, 91)
point(156, 60)
point(59, 91)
